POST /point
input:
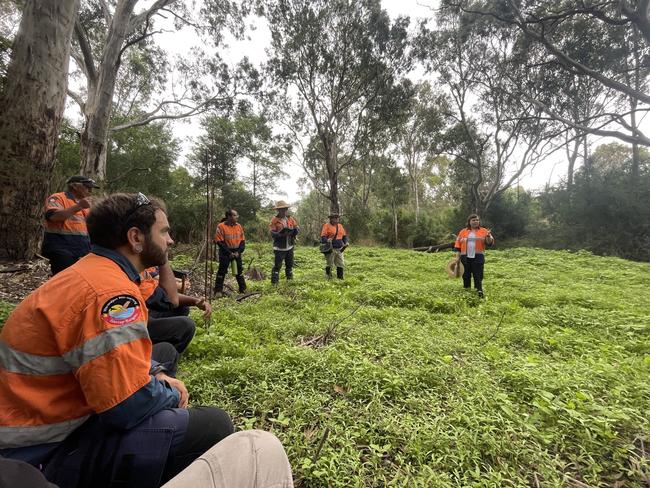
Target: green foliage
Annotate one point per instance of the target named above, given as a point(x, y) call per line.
point(423, 384)
point(605, 212)
point(5, 309)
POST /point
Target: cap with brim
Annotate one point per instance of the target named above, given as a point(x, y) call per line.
point(83, 180)
point(281, 204)
point(334, 214)
point(455, 269)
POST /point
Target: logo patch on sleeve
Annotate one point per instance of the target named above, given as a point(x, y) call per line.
point(120, 310)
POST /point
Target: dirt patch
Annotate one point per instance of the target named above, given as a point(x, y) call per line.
point(19, 278)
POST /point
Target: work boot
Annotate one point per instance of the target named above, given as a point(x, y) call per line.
point(328, 272)
point(275, 277)
point(241, 282)
point(288, 273)
point(339, 273)
point(480, 294)
point(218, 285)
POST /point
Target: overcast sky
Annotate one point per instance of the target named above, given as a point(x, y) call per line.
point(254, 48)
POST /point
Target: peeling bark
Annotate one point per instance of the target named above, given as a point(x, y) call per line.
point(32, 109)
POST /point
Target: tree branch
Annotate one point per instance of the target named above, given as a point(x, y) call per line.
point(136, 20)
point(86, 51)
point(77, 98)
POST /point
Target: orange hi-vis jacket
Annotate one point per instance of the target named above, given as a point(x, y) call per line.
point(338, 235)
point(77, 345)
point(229, 235)
point(69, 236)
point(479, 240)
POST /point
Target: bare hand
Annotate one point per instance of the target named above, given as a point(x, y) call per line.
point(85, 202)
point(178, 385)
point(204, 305)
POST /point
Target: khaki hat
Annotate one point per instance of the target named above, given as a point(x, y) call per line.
point(281, 204)
point(455, 269)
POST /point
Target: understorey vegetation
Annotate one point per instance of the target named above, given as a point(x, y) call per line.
point(397, 376)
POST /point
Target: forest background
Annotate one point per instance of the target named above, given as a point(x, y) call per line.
point(501, 88)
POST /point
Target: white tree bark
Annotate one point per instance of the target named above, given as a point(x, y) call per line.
point(32, 109)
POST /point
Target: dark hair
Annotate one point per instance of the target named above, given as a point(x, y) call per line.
point(111, 218)
point(471, 216)
point(228, 214)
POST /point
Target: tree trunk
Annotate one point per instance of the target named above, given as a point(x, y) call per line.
point(97, 110)
point(331, 161)
point(32, 108)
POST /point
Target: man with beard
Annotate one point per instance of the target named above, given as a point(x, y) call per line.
point(80, 393)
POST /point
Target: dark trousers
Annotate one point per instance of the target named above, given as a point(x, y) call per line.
point(473, 268)
point(59, 262)
point(177, 331)
point(206, 427)
point(167, 355)
point(224, 263)
point(287, 258)
point(145, 456)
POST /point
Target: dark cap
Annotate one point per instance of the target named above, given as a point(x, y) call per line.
point(334, 214)
point(83, 180)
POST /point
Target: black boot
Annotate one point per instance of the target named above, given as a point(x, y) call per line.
point(328, 272)
point(241, 282)
point(339, 273)
point(218, 284)
point(275, 277)
point(288, 273)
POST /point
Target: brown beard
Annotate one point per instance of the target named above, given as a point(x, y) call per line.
point(152, 255)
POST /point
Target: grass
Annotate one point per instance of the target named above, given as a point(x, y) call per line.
point(543, 383)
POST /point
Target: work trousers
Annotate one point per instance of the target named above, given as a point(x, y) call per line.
point(224, 263)
point(251, 458)
point(473, 268)
point(178, 331)
point(59, 262)
point(335, 258)
point(287, 258)
point(145, 456)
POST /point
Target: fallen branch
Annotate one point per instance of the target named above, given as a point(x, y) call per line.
point(248, 295)
point(320, 445)
point(496, 331)
point(327, 336)
point(439, 247)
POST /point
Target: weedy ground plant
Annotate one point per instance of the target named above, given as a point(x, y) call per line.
point(397, 376)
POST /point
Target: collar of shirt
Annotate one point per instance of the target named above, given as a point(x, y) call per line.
point(118, 259)
point(70, 196)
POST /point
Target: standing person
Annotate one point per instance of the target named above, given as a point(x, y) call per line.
point(66, 235)
point(470, 249)
point(230, 239)
point(334, 233)
point(81, 391)
point(284, 230)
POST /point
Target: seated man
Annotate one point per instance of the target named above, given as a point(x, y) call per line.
point(168, 309)
point(79, 392)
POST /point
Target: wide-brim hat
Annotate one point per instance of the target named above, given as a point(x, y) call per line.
point(455, 269)
point(281, 204)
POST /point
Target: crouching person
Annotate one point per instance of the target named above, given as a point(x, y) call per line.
point(81, 394)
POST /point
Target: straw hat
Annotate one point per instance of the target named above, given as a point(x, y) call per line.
point(281, 204)
point(455, 269)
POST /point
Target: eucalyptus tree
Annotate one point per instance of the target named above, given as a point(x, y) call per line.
point(420, 138)
point(106, 36)
point(31, 105)
point(621, 26)
point(495, 134)
point(336, 65)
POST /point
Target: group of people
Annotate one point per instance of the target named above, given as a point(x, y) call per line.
point(86, 398)
point(284, 228)
point(88, 387)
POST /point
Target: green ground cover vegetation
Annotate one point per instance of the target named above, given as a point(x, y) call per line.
point(420, 383)
point(543, 383)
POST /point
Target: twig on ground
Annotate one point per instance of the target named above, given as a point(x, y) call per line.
point(320, 445)
point(496, 331)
